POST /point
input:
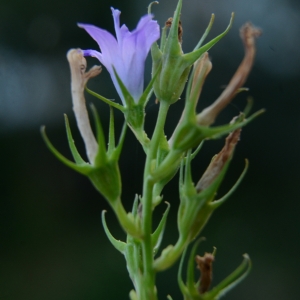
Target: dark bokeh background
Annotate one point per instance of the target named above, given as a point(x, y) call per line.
point(52, 245)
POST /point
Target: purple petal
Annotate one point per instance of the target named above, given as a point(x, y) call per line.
point(127, 53)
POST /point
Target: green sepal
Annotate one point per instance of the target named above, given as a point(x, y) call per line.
point(169, 297)
point(202, 210)
point(191, 57)
point(173, 47)
point(189, 134)
point(78, 159)
point(135, 206)
point(101, 156)
point(248, 107)
point(107, 180)
point(120, 246)
point(111, 134)
point(107, 101)
point(231, 281)
point(133, 295)
point(117, 152)
point(181, 284)
point(157, 235)
point(127, 96)
point(194, 210)
point(190, 281)
point(149, 89)
point(205, 34)
point(218, 202)
point(84, 169)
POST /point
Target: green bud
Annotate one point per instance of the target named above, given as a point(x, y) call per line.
point(175, 65)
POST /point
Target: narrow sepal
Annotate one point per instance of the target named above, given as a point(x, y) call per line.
point(101, 156)
point(127, 96)
point(83, 169)
point(149, 89)
point(190, 281)
point(117, 152)
point(191, 57)
point(133, 295)
point(205, 34)
point(111, 134)
point(78, 159)
point(150, 6)
point(173, 46)
point(231, 281)
point(157, 235)
point(220, 201)
point(189, 134)
point(120, 246)
point(135, 205)
point(107, 101)
point(181, 284)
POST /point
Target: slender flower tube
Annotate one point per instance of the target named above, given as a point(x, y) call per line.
point(126, 53)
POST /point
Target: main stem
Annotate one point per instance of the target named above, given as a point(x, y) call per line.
point(148, 290)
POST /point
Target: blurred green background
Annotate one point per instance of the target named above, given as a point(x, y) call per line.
point(52, 244)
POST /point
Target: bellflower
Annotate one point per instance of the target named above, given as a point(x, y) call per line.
point(126, 53)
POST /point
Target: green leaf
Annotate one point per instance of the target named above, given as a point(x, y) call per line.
point(159, 232)
point(120, 246)
point(107, 101)
point(231, 281)
point(78, 159)
point(83, 169)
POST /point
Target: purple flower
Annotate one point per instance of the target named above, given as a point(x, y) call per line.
point(127, 53)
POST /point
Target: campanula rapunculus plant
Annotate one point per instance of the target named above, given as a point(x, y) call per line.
point(124, 58)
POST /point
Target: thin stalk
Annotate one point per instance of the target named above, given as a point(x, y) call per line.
point(148, 289)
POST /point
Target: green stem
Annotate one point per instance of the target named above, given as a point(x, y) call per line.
point(148, 289)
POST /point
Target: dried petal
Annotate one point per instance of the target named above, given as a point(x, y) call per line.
point(218, 162)
point(248, 35)
point(204, 264)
